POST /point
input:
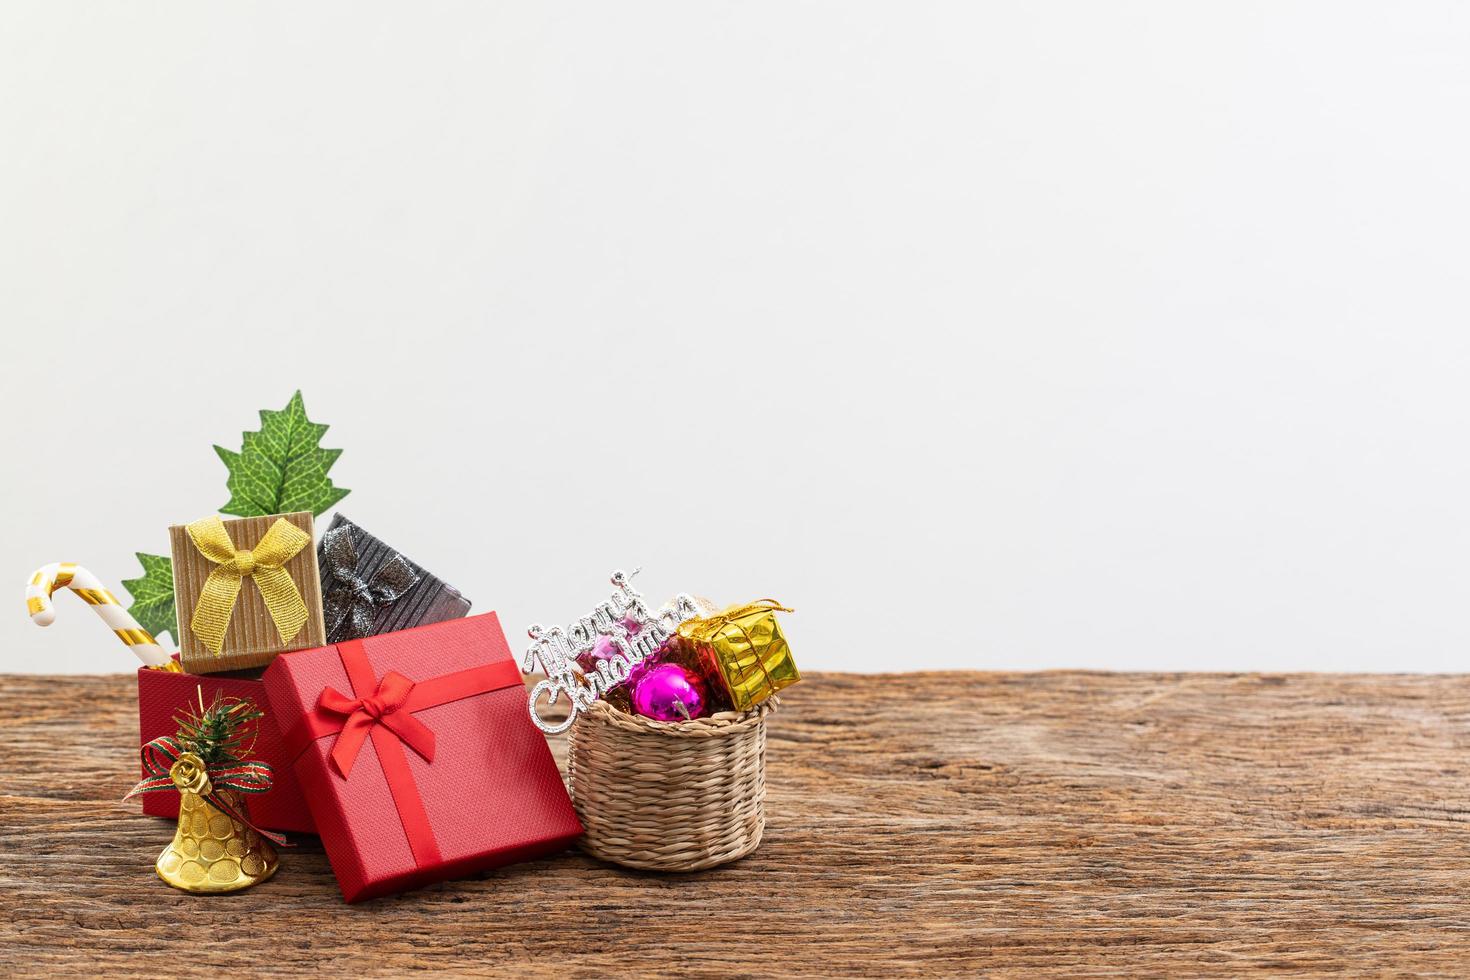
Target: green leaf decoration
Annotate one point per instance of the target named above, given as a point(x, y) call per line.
point(281, 469)
point(153, 595)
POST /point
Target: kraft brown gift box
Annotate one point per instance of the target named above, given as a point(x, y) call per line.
point(252, 638)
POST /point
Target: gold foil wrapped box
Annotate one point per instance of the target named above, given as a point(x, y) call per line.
point(745, 647)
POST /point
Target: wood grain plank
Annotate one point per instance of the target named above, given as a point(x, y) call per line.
point(945, 824)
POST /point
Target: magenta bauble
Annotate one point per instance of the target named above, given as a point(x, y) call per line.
point(668, 692)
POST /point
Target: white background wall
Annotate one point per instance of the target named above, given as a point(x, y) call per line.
point(1123, 335)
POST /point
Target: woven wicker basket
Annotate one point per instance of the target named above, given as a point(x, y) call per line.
point(669, 796)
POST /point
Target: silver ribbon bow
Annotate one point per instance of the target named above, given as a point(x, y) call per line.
point(352, 602)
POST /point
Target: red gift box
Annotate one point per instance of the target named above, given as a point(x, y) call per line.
point(163, 695)
point(418, 757)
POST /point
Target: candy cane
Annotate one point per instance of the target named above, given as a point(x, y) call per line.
point(72, 576)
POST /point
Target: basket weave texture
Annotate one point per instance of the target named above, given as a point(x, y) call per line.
point(669, 796)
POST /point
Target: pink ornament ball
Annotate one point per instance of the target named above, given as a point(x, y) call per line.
point(603, 648)
point(668, 692)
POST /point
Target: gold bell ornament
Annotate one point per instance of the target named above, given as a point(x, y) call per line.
point(215, 848)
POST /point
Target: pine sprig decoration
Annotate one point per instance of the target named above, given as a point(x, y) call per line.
point(219, 733)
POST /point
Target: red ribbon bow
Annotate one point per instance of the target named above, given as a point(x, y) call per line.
point(383, 707)
point(386, 716)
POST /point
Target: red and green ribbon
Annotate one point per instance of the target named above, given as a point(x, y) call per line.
point(159, 757)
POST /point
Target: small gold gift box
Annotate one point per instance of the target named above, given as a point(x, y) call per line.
point(744, 645)
point(245, 590)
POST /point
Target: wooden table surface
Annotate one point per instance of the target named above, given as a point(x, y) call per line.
point(940, 823)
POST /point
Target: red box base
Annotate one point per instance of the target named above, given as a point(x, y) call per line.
point(163, 694)
point(492, 793)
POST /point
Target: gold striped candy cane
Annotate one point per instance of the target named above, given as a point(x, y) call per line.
point(70, 575)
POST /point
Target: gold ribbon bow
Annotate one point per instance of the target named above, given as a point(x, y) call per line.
point(265, 563)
